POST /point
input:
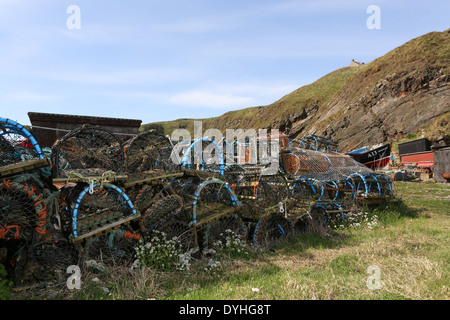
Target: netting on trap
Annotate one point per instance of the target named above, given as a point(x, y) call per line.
point(271, 193)
point(22, 211)
point(272, 228)
point(144, 196)
point(241, 174)
point(17, 144)
point(223, 231)
point(87, 151)
point(50, 258)
point(95, 209)
point(371, 184)
point(203, 154)
point(323, 190)
point(315, 221)
point(160, 213)
point(214, 208)
point(213, 198)
point(301, 161)
point(186, 187)
point(316, 143)
point(320, 165)
point(112, 247)
point(148, 152)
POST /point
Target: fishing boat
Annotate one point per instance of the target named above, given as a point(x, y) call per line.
point(374, 158)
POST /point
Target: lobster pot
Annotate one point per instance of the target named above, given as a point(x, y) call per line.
point(186, 187)
point(384, 185)
point(17, 144)
point(22, 211)
point(303, 193)
point(342, 191)
point(241, 174)
point(148, 152)
point(203, 154)
point(333, 213)
point(144, 196)
point(87, 151)
point(271, 193)
point(300, 161)
point(316, 143)
point(215, 212)
point(98, 208)
point(371, 185)
point(160, 213)
point(213, 198)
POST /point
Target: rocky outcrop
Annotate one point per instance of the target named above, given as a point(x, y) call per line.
point(396, 106)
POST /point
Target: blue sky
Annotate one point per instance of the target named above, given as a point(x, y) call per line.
point(164, 60)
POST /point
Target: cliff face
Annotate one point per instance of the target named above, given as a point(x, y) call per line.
point(396, 106)
point(385, 100)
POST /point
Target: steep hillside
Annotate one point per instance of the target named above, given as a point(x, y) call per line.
point(401, 94)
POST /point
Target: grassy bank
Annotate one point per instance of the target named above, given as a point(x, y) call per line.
point(407, 241)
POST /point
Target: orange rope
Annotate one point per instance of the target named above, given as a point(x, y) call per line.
point(5, 229)
point(30, 194)
point(131, 235)
point(38, 202)
point(6, 183)
point(42, 218)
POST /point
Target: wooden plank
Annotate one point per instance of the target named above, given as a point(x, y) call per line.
point(97, 232)
point(95, 178)
point(24, 166)
point(247, 197)
point(200, 174)
point(215, 216)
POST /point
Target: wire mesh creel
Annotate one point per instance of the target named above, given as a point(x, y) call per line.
point(17, 143)
point(89, 151)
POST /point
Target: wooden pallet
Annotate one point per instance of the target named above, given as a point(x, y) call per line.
point(103, 229)
point(24, 166)
point(94, 178)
